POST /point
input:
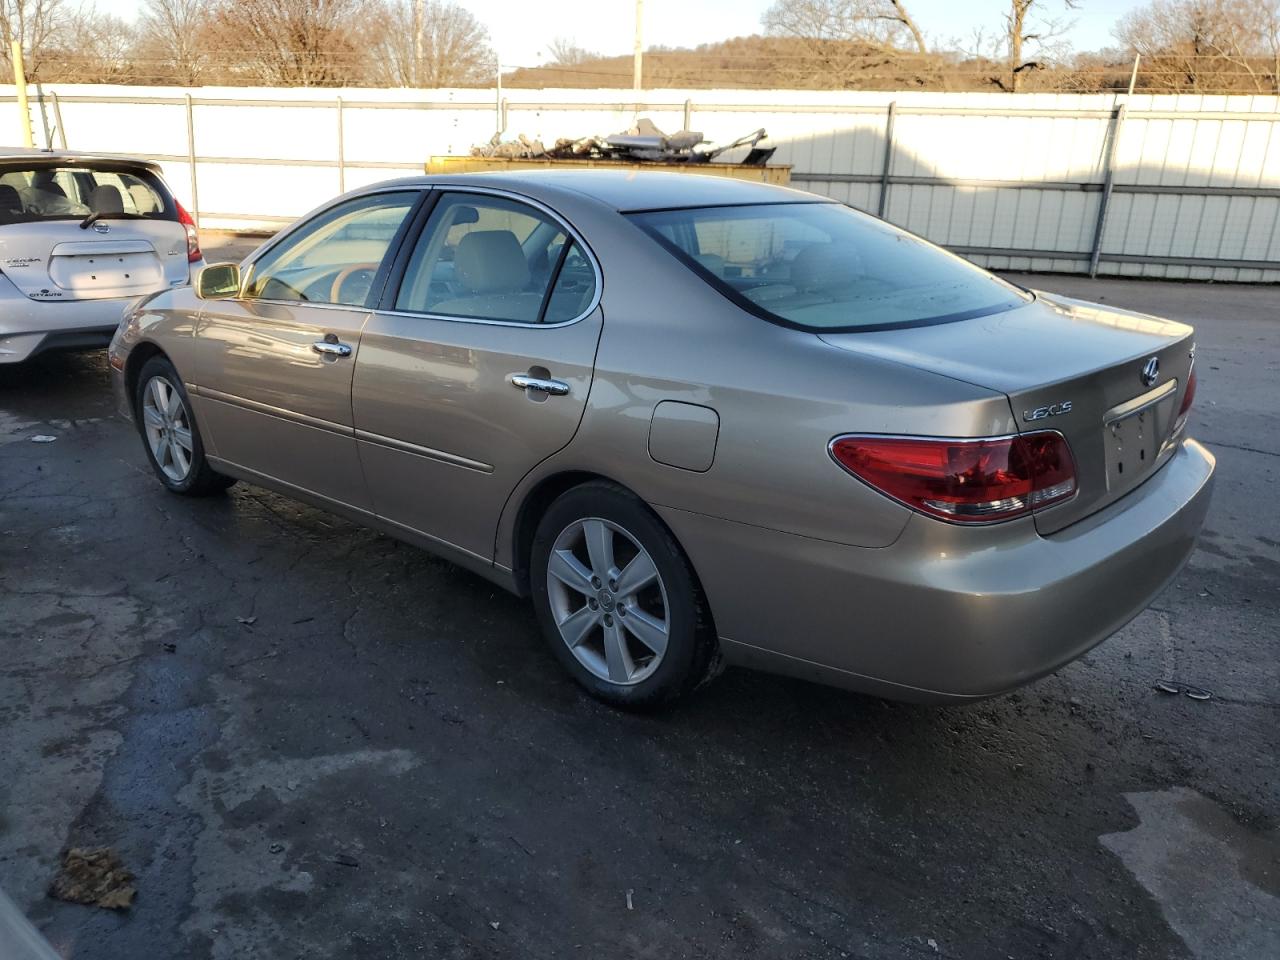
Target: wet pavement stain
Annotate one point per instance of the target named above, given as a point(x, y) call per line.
point(1217, 882)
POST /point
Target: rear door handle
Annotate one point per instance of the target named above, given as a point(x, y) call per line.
point(333, 349)
point(554, 388)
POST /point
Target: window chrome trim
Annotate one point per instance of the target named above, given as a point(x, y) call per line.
point(570, 231)
point(248, 264)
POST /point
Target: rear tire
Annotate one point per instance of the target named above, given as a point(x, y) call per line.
point(170, 435)
point(618, 600)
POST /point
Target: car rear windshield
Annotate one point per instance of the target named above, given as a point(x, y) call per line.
point(826, 268)
point(51, 192)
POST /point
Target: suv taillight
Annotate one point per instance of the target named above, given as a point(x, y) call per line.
point(964, 481)
point(193, 238)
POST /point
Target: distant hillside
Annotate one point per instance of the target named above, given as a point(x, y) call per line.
point(790, 63)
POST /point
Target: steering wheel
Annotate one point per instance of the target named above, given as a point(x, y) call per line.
point(335, 289)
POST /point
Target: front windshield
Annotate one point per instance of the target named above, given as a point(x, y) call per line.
point(825, 267)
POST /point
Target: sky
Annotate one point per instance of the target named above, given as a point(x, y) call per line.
point(521, 29)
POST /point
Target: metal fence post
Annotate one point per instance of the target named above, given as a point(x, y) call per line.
point(191, 160)
point(888, 158)
point(688, 114)
point(57, 119)
point(44, 116)
point(1108, 183)
point(342, 157)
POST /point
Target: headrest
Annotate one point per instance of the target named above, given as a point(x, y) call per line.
point(825, 266)
point(9, 199)
point(144, 201)
point(106, 199)
point(491, 261)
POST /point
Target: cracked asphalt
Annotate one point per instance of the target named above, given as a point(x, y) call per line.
point(309, 740)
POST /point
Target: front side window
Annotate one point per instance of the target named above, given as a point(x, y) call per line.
point(489, 258)
point(335, 257)
point(49, 192)
point(825, 267)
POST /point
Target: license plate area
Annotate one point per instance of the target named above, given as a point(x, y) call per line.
point(1134, 435)
point(105, 274)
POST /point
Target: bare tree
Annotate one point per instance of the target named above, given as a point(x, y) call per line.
point(430, 43)
point(173, 40)
point(1220, 45)
point(565, 52)
point(1026, 26)
point(840, 40)
point(36, 23)
point(292, 42)
point(91, 47)
point(884, 23)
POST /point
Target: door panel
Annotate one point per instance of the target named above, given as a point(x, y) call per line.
point(493, 289)
point(271, 403)
point(443, 434)
point(274, 366)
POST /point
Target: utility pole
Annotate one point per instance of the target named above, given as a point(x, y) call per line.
point(638, 56)
point(1133, 77)
point(20, 81)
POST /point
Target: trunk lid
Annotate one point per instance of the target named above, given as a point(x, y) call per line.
point(1065, 365)
point(56, 261)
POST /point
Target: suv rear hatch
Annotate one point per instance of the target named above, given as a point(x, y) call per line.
point(1070, 366)
point(74, 229)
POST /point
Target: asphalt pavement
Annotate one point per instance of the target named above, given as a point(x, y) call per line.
point(309, 740)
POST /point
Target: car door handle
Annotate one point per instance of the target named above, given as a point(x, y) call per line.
point(331, 349)
point(554, 388)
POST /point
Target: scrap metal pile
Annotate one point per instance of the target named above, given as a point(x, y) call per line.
point(643, 142)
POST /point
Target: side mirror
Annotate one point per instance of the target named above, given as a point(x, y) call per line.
point(218, 281)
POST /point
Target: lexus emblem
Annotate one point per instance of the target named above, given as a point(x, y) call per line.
point(1151, 371)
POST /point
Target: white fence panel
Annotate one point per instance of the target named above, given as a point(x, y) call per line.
point(1161, 186)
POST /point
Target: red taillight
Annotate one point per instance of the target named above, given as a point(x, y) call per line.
point(193, 238)
point(964, 481)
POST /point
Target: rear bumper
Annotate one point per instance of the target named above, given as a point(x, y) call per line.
point(947, 613)
point(29, 327)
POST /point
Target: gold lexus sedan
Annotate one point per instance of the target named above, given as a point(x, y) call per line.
point(698, 421)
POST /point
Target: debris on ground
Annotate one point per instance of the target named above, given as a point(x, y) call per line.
point(641, 142)
point(95, 878)
point(1175, 687)
point(247, 621)
point(630, 905)
point(495, 924)
point(43, 438)
point(343, 860)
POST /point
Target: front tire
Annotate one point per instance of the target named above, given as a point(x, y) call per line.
point(618, 600)
point(170, 435)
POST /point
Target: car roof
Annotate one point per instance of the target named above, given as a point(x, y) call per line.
point(19, 156)
point(631, 190)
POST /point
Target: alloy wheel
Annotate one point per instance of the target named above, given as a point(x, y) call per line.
point(608, 601)
point(168, 428)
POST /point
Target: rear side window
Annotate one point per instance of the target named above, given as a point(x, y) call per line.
point(827, 268)
point(51, 192)
point(488, 258)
